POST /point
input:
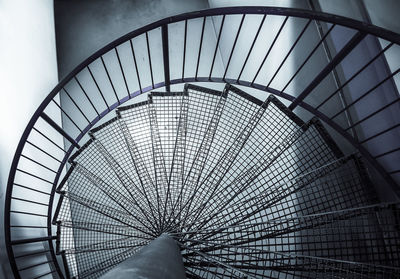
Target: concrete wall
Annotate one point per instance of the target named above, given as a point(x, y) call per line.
point(28, 71)
point(82, 27)
point(380, 13)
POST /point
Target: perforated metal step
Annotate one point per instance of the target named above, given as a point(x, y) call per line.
point(244, 186)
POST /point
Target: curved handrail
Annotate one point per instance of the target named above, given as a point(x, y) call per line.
point(363, 29)
point(331, 18)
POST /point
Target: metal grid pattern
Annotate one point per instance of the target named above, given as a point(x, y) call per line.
point(272, 128)
point(250, 191)
point(332, 187)
point(112, 143)
point(99, 230)
point(113, 76)
point(169, 110)
point(299, 154)
point(203, 113)
point(137, 121)
point(340, 244)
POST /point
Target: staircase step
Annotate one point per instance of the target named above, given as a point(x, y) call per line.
point(95, 164)
point(349, 235)
point(245, 187)
point(266, 173)
point(349, 238)
point(113, 145)
point(90, 190)
point(205, 108)
point(96, 263)
point(172, 113)
point(266, 131)
point(136, 127)
point(274, 125)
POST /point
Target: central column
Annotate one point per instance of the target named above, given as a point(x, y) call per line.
point(160, 259)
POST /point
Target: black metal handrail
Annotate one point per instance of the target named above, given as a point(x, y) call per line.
point(93, 112)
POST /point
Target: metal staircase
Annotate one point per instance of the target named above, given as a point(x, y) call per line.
point(261, 194)
point(246, 186)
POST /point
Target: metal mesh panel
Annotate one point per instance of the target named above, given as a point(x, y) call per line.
point(137, 122)
point(114, 146)
point(342, 242)
point(246, 188)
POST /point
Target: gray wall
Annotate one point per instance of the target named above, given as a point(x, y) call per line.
point(82, 27)
point(380, 13)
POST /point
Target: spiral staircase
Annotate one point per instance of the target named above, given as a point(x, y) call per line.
point(239, 181)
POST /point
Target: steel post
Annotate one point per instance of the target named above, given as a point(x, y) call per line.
point(160, 259)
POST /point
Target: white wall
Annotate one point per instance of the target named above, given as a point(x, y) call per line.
point(28, 71)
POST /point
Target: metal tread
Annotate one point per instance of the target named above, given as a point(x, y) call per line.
point(224, 194)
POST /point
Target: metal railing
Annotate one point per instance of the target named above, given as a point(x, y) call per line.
point(131, 65)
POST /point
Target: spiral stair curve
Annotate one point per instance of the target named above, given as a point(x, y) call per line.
point(235, 181)
point(171, 133)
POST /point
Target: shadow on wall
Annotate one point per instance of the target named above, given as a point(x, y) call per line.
point(90, 25)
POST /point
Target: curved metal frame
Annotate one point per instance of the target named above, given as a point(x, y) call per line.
point(363, 29)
